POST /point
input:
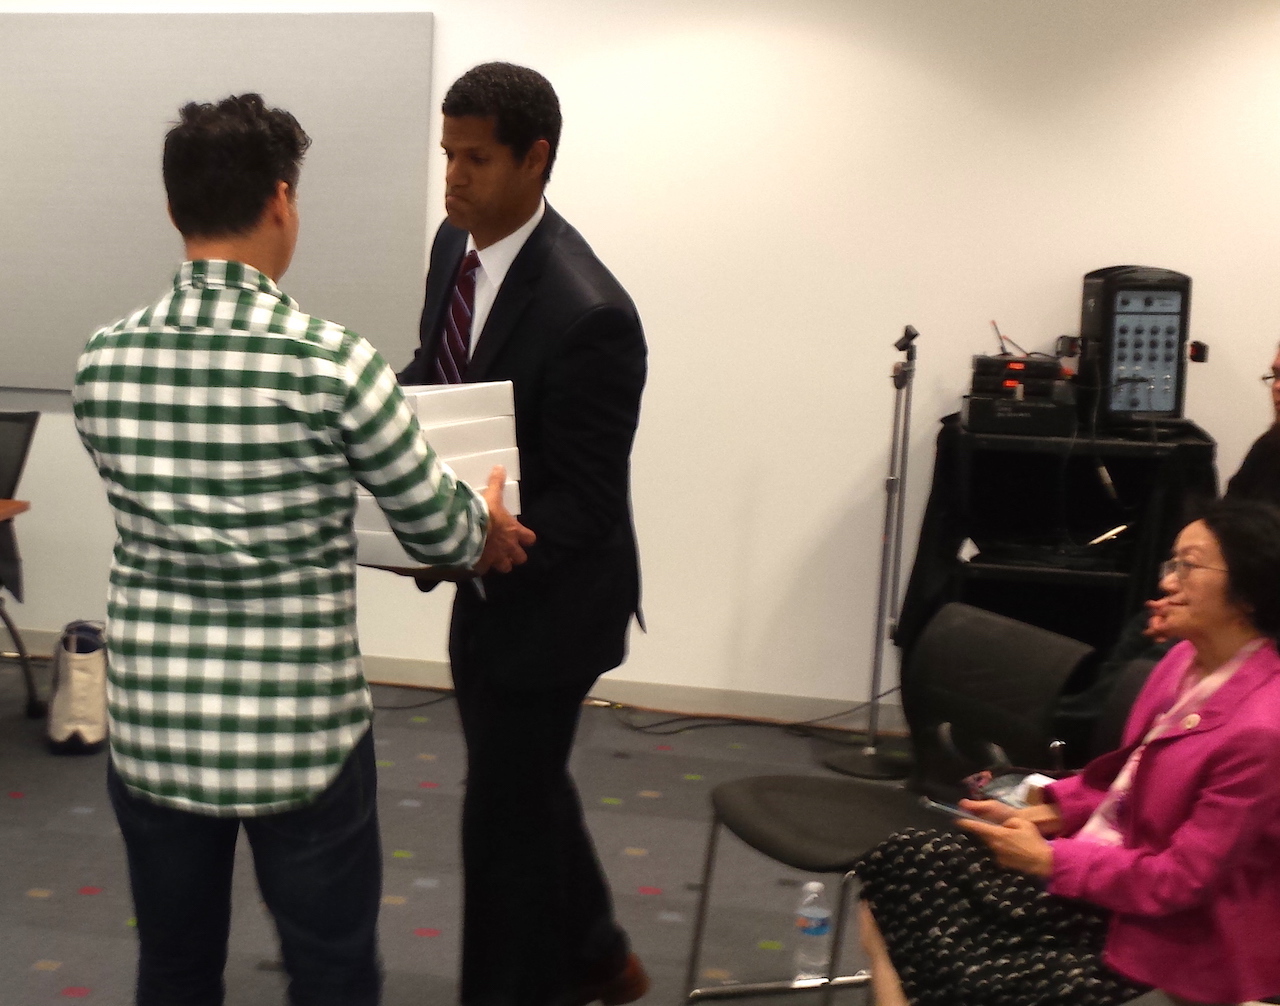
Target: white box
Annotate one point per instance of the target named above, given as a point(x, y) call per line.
point(511, 497)
point(369, 516)
point(437, 404)
point(382, 548)
point(452, 440)
point(474, 468)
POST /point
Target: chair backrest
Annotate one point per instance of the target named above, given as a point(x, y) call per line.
point(17, 429)
point(995, 680)
point(1109, 729)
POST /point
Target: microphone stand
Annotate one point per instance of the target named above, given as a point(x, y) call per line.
point(887, 758)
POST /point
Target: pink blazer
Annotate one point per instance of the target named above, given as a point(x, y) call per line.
point(1195, 891)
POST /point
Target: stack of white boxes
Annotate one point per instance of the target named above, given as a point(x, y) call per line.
point(471, 427)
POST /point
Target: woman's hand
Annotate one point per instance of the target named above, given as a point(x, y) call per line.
point(994, 811)
point(1016, 844)
point(1157, 620)
point(1044, 816)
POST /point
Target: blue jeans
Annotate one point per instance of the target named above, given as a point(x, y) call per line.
point(319, 870)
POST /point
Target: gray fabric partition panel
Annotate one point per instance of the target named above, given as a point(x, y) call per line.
point(87, 98)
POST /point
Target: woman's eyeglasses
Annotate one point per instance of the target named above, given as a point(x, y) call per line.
point(1180, 568)
point(1271, 377)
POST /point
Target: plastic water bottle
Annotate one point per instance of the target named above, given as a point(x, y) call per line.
point(813, 933)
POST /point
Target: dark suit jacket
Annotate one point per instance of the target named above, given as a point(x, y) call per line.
point(566, 334)
point(1258, 477)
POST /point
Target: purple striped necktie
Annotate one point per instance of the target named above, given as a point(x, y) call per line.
point(455, 341)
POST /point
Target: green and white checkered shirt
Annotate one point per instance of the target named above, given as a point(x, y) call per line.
point(230, 430)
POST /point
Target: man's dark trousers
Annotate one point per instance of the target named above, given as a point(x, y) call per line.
point(319, 869)
point(523, 833)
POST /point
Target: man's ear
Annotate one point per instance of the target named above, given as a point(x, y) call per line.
point(536, 158)
point(279, 203)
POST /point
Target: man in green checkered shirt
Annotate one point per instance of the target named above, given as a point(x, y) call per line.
point(230, 430)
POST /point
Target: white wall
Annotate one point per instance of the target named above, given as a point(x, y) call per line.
point(782, 185)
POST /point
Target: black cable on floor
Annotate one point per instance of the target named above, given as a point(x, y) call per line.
point(690, 722)
point(621, 713)
point(442, 697)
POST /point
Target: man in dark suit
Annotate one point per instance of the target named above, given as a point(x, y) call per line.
point(540, 310)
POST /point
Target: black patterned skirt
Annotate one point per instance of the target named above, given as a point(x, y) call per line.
point(961, 929)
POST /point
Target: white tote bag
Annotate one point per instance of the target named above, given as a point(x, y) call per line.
point(78, 706)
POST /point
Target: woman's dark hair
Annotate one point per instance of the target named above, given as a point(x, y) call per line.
point(521, 100)
point(1248, 533)
point(222, 163)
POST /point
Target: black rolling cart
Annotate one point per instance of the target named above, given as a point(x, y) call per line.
point(1011, 518)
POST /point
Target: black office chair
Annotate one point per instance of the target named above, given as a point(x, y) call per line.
point(17, 429)
point(966, 665)
point(815, 823)
point(1108, 732)
point(981, 691)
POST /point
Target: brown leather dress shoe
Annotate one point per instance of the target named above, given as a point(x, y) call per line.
point(626, 986)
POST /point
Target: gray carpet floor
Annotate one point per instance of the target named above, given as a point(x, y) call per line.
point(66, 914)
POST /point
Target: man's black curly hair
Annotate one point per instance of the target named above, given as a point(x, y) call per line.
point(521, 100)
point(222, 163)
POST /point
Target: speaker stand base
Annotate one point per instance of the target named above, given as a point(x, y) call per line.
point(890, 758)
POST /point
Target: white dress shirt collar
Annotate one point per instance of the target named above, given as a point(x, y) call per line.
point(495, 263)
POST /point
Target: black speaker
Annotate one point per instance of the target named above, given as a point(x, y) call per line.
point(1133, 329)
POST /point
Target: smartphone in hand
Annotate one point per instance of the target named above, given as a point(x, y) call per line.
point(950, 809)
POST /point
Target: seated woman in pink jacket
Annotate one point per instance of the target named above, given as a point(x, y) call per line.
point(1158, 866)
